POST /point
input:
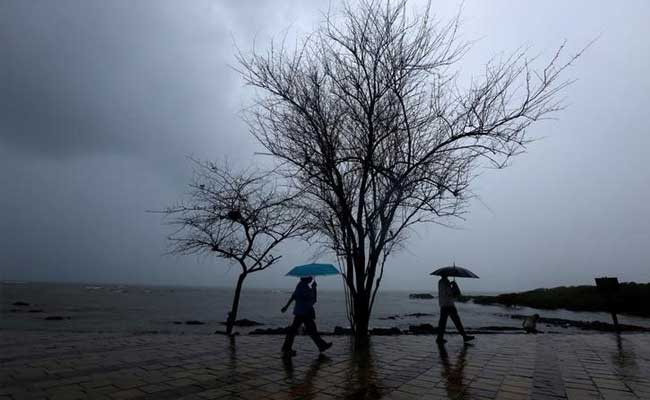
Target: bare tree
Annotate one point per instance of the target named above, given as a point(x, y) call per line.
point(369, 124)
point(240, 217)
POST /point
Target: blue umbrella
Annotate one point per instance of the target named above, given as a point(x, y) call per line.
point(313, 270)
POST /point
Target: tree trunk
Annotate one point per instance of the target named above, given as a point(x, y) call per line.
point(361, 320)
point(232, 315)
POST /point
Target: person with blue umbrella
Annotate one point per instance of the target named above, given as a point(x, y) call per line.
point(305, 297)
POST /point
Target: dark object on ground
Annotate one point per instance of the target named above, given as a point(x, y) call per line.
point(416, 315)
point(244, 322)
point(423, 329)
point(194, 322)
point(479, 331)
point(586, 325)
point(427, 296)
point(530, 323)
point(35, 311)
point(342, 331)
point(20, 304)
point(56, 318)
point(16, 310)
point(270, 331)
point(631, 298)
point(498, 328)
point(385, 331)
point(178, 322)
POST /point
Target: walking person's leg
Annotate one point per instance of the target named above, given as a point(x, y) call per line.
point(291, 334)
point(453, 313)
point(442, 324)
point(310, 326)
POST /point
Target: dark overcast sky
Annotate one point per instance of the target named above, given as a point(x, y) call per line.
point(102, 101)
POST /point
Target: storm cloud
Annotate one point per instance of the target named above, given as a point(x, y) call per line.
point(102, 102)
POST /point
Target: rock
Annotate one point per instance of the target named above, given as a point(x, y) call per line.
point(585, 325)
point(338, 330)
point(385, 331)
point(178, 322)
point(193, 322)
point(419, 315)
point(35, 311)
point(426, 296)
point(56, 318)
point(270, 331)
point(499, 328)
point(423, 329)
point(416, 315)
point(20, 304)
point(244, 322)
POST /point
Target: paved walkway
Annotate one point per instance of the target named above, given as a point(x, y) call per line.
point(70, 366)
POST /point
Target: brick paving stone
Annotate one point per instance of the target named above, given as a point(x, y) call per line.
point(510, 367)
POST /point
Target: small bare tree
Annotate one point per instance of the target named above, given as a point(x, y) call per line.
point(369, 124)
point(240, 217)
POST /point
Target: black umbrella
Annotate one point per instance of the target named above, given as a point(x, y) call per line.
point(455, 271)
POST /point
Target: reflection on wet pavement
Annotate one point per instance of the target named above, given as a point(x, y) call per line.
point(510, 367)
point(453, 373)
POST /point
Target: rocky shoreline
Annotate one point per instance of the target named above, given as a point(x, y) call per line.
point(631, 298)
point(428, 329)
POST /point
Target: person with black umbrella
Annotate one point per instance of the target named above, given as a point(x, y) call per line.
point(447, 293)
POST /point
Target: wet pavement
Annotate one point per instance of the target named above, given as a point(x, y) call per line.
point(157, 366)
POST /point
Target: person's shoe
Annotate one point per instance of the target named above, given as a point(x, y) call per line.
point(441, 341)
point(325, 347)
point(468, 338)
point(288, 353)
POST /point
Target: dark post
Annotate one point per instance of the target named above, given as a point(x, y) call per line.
point(608, 287)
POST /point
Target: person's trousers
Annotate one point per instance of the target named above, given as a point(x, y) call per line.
point(310, 326)
point(446, 312)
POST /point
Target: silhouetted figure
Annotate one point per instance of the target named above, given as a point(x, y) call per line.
point(447, 291)
point(530, 323)
point(303, 311)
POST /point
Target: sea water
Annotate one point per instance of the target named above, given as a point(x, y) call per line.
point(125, 308)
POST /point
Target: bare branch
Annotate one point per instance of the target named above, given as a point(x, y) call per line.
point(237, 216)
point(368, 125)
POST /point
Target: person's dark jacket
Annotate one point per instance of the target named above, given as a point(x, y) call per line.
point(305, 298)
